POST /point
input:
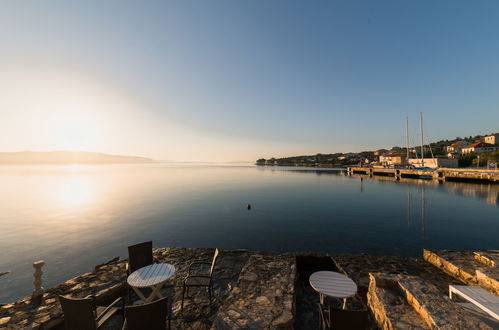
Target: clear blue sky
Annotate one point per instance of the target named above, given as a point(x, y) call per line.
point(239, 80)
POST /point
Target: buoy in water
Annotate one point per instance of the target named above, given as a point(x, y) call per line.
point(248, 206)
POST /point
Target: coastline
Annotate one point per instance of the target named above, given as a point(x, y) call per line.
point(255, 281)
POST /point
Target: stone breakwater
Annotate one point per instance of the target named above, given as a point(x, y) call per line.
point(258, 290)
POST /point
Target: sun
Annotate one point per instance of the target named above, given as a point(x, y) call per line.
point(56, 110)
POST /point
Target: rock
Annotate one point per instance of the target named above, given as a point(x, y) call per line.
point(285, 321)
point(4, 320)
point(263, 300)
point(232, 313)
point(249, 277)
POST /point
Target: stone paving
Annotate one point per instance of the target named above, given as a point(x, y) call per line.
point(264, 296)
point(257, 290)
point(106, 283)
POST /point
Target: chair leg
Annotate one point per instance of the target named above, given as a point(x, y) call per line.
point(183, 294)
point(169, 313)
point(209, 294)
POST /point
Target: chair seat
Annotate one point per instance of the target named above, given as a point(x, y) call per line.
point(197, 281)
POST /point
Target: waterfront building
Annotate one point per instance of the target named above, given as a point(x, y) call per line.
point(479, 147)
point(492, 139)
point(391, 159)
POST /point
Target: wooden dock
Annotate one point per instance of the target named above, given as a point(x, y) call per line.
point(440, 174)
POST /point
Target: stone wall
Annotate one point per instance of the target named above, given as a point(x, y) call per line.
point(471, 267)
point(434, 309)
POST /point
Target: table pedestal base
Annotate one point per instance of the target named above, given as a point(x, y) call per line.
point(155, 293)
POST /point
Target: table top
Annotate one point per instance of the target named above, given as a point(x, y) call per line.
point(333, 284)
point(151, 275)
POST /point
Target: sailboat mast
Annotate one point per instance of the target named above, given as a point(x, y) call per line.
point(407, 136)
point(422, 149)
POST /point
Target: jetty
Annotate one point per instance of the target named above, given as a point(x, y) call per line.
point(439, 174)
point(261, 290)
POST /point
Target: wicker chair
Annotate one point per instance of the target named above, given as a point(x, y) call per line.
point(150, 316)
point(342, 319)
point(200, 280)
point(82, 314)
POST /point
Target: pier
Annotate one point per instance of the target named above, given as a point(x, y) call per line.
point(439, 174)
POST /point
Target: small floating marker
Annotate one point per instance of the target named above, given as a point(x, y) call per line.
point(248, 206)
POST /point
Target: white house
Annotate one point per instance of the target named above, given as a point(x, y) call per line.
point(479, 147)
point(492, 139)
point(457, 146)
point(391, 158)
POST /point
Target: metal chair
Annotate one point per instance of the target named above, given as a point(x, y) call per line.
point(139, 255)
point(82, 314)
point(150, 316)
point(200, 280)
point(342, 319)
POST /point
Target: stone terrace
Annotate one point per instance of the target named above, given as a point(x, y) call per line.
point(256, 290)
point(273, 284)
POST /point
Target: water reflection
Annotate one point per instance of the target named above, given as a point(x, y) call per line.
point(489, 192)
point(77, 217)
point(73, 191)
point(301, 170)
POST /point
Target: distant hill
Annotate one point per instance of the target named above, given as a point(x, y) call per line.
point(67, 157)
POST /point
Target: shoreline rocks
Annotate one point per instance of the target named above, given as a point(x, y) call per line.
point(259, 290)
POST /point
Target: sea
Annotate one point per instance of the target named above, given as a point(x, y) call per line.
point(75, 217)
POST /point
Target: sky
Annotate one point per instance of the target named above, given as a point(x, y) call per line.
point(240, 80)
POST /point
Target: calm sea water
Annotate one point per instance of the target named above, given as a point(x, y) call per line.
point(75, 217)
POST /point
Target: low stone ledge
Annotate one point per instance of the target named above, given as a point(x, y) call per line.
point(473, 268)
point(434, 308)
point(489, 258)
point(388, 306)
point(263, 297)
point(458, 266)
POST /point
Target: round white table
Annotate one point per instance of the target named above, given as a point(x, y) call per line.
point(153, 276)
point(333, 284)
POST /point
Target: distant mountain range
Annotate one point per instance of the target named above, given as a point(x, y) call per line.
point(67, 157)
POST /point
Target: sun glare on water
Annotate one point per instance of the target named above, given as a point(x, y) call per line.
point(71, 192)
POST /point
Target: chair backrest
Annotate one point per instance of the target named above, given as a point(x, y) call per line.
point(78, 313)
point(342, 319)
point(213, 262)
point(151, 316)
point(139, 255)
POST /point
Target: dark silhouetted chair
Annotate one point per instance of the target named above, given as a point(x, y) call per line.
point(342, 319)
point(139, 255)
point(82, 314)
point(150, 316)
point(200, 280)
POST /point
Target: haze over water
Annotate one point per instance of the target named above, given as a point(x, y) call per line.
point(75, 217)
